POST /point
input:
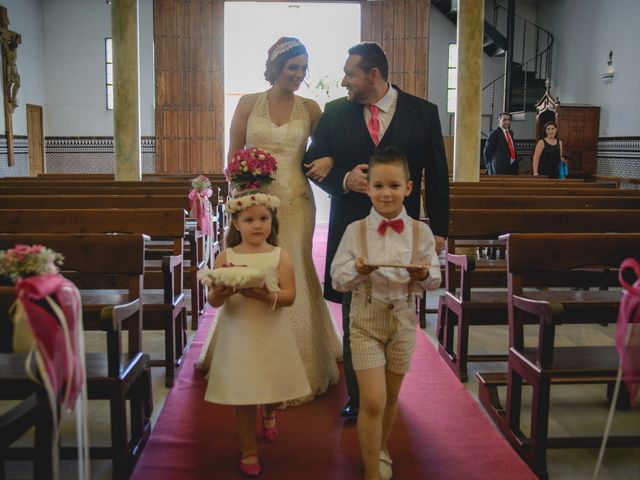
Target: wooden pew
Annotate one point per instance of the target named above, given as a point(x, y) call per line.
point(617, 180)
point(463, 306)
point(532, 184)
point(512, 191)
point(195, 239)
point(531, 257)
point(111, 375)
point(33, 411)
point(550, 202)
point(163, 309)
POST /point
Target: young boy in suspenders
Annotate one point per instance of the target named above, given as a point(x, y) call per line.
point(383, 308)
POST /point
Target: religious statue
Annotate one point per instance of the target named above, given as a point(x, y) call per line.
point(10, 42)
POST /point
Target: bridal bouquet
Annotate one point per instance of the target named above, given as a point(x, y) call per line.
point(251, 168)
point(25, 261)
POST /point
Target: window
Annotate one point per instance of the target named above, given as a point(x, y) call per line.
point(452, 78)
point(108, 60)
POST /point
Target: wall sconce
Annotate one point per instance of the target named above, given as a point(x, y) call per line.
point(608, 76)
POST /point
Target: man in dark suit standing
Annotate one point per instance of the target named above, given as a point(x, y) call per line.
point(499, 151)
point(374, 114)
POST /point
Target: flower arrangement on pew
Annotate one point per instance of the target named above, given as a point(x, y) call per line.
point(200, 205)
point(25, 261)
point(47, 318)
point(249, 170)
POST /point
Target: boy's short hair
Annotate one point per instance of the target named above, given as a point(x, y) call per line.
point(390, 156)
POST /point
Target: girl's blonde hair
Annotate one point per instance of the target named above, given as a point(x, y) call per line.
point(233, 237)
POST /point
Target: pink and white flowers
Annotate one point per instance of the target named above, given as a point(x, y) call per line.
point(27, 260)
point(251, 168)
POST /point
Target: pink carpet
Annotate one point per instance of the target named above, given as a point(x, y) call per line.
point(441, 433)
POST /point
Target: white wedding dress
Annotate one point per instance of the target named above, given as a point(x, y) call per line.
point(313, 327)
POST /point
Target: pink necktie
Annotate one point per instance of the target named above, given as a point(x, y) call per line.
point(373, 125)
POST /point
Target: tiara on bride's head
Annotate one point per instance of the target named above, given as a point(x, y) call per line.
point(248, 199)
point(283, 47)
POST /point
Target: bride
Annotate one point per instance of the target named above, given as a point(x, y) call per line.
point(281, 122)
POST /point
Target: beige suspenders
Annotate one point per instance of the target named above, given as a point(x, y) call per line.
point(365, 253)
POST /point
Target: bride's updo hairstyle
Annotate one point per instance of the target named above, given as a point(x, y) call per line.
point(281, 51)
point(241, 201)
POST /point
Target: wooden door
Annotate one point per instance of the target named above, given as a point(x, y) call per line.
point(401, 27)
point(35, 139)
point(578, 128)
point(189, 116)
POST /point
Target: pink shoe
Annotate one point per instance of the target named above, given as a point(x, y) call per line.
point(250, 469)
point(269, 433)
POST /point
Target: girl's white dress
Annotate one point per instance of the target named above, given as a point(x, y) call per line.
point(318, 341)
point(256, 359)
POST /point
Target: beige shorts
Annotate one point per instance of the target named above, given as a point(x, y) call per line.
point(382, 334)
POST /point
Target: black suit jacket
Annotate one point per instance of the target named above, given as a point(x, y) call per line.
point(497, 157)
point(343, 135)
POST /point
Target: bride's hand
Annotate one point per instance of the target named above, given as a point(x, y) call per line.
point(319, 168)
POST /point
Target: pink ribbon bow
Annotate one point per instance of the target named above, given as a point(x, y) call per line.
point(628, 342)
point(63, 367)
point(199, 202)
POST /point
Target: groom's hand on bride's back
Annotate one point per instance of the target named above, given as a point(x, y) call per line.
point(319, 168)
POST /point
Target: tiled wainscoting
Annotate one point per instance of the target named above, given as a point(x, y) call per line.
point(91, 154)
point(20, 167)
point(619, 157)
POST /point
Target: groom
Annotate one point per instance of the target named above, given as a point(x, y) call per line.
point(375, 114)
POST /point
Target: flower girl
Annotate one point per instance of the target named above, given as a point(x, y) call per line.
point(255, 359)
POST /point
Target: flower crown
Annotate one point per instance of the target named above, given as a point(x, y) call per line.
point(245, 201)
point(283, 47)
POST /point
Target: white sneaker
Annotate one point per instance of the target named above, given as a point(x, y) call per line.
point(385, 465)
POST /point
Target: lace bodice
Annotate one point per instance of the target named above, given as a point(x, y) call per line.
point(287, 143)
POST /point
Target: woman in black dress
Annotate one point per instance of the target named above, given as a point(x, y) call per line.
point(548, 153)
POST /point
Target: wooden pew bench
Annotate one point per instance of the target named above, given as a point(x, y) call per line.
point(512, 191)
point(464, 306)
point(539, 362)
point(532, 184)
point(550, 202)
point(195, 240)
point(163, 309)
point(112, 375)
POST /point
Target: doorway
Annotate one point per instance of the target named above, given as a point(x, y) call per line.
point(35, 139)
point(326, 29)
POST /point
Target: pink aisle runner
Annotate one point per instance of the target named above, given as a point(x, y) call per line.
point(441, 433)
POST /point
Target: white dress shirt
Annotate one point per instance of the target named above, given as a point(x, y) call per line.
point(387, 284)
point(387, 108)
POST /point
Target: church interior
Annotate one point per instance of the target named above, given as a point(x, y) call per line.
point(111, 108)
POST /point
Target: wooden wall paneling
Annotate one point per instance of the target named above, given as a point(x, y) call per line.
point(217, 153)
point(189, 50)
point(401, 27)
point(398, 44)
point(387, 32)
point(410, 21)
point(422, 49)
